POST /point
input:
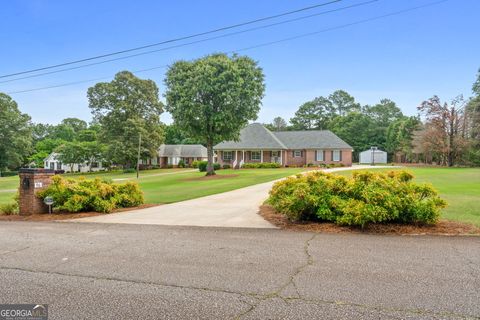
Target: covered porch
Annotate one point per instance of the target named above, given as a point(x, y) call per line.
point(236, 158)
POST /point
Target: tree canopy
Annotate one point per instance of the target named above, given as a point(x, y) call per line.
point(15, 134)
point(214, 97)
point(126, 108)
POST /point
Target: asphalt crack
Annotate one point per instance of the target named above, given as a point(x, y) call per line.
point(13, 251)
point(291, 281)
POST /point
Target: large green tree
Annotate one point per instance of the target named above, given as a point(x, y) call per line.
point(15, 134)
point(382, 114)
point(126, 108)
point(357, 129)
point(399, 137)
point(476, 85)
point(76, 124)
point(214, 97)
point(314, 114)
point(175, 135)
point(343, 103)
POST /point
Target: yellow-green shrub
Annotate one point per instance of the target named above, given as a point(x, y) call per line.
point(9, 209)
point(365, 198)
point(92, 195)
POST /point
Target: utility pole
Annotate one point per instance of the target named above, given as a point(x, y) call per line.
point(373, 155)
point(138, 155)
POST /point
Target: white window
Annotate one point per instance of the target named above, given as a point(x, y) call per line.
point(173, 161)
point(59, 166)
point(227, 155)
point(297, 153)
point(256, 156)
point(336, 155)
point(319, 156)
point(275, 154)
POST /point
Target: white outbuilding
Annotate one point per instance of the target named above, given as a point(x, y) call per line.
point(373, 156)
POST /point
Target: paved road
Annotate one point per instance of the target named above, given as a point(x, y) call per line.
point(237, 208)
point(120, 271)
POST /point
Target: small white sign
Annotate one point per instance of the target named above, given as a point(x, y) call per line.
point(38, 185)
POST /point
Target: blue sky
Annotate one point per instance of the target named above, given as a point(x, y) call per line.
point(407, 58)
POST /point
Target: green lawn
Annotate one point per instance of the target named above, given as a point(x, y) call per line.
point(166, 188)
point(460, 187)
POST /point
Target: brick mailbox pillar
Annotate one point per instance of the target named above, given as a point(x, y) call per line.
point(32, 181)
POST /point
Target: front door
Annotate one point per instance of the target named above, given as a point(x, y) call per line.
point(276, 156)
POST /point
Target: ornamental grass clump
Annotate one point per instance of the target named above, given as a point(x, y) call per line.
point(82, 195)
point(365, 198)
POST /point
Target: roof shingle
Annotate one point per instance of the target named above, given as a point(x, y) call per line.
point(256, 136)
point(182, 150)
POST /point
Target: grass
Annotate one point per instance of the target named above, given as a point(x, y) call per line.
point(460, 187)
point(160, 187)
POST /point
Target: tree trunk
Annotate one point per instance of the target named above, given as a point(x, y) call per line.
point(210, 171)
point(451, 147)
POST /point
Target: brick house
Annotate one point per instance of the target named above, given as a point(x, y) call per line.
point(289, 148)
point(172, 154)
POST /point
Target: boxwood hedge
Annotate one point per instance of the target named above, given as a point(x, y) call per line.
point(365, 198)
point(82, 195)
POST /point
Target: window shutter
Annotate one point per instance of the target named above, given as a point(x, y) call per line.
point(323, 155)
point(293, 153)
point(331, 156)
point(316, 155)
point(340, 155)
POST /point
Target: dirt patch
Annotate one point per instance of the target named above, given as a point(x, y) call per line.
point(65, 215)
point(444, 227)
point(214, 177)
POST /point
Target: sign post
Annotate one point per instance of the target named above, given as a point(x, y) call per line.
point(49, 202)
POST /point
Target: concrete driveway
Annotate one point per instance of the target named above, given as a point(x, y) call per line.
point(119, 271)
point(237, 208)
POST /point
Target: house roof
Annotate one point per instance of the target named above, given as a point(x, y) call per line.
point(253, 136)
point(256, 136)
point(51, 157)
point(182, 150)
point(312, 139)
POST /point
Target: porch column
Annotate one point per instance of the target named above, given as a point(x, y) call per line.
point(281, 157)
point(261, 155)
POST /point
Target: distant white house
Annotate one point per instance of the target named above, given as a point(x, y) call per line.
point(52, 162)
point(373, 156)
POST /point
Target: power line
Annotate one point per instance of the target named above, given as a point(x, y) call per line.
point(194, 42)
point(174, 40)
point(265, 44)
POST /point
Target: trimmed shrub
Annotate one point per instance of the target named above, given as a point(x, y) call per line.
point(202, 166)
point(129, 170)
point(91, 195)
point(226, 166)
point(8, 173)
point(195, 164)
point(365, 198)
point(261, 165)
point(9, 209)
point(181, 164)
